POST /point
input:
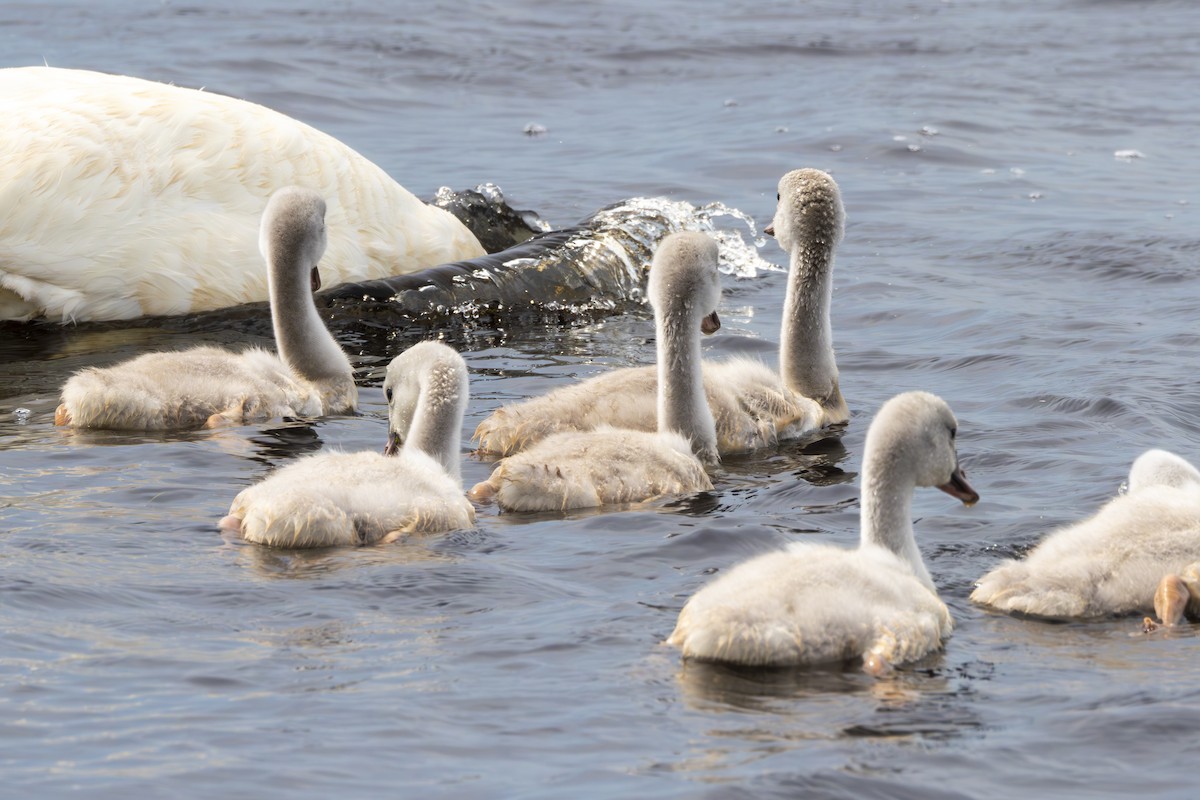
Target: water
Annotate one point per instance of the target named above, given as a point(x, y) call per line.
point(998, 253)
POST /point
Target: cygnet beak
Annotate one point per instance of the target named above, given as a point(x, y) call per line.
point(769, 230)
point(958, 487)
point(393, 444)
point(710, 324)
point(315, 276)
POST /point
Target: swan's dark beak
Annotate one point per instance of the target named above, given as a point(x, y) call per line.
point(315, 275)
point(710, 324)
point(769, 230)
point(958, 487)
point(393, 444)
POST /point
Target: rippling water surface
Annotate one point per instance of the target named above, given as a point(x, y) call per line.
point(998, 252)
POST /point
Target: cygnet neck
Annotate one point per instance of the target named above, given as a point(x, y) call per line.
point(807, 360)
point(682, 403)
point(436, 428)
point(305, 344)
point(888, 483)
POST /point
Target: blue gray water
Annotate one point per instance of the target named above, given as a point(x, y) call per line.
point(998, 252)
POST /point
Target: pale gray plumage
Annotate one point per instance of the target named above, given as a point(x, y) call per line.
point(329, 499)
point(753, 405)
point(202, 386)
point(1112, 562)
point(817, 604)
point(582, 469)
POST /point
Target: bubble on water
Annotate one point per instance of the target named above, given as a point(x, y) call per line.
point(781, 129)
point(914, 148)
point(899, 138)
point(1035, 195)
point(836, 148)
point(1016, 171)
point(21, 415)
point(534, 129)
point(928, 130)
point(1128, 155)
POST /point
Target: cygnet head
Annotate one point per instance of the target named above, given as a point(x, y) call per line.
point(914, 434)
point(809, 210)
point(292, 233)
point(428, 380)
point(1160, 468)
point(685, 281)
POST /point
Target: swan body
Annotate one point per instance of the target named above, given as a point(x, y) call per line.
point(809, 605)
point(205, 386)
point(1113, 562)
point(125, 197)
point(587, 469)
point(584, 469)
point(753, 405)
point(415, 486)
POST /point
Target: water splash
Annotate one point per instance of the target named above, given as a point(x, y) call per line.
point(598, 265)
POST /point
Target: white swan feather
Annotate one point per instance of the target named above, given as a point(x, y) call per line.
point(124, 197)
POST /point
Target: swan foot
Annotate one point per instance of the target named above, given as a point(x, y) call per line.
point(482, 492)
point(221, 420)
point(876, 665)
point(61, 415)
point(230, 523)
point(1170, 600)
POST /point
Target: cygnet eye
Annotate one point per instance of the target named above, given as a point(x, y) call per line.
point(953, 433)
point(777, 197)
point(388, 394)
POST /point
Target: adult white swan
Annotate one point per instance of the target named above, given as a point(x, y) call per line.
point(813, 604)
point(203, 386)
point(753, 404)
point(1115, 561)
point(124, 197)
point(415, 485)
point(583, 469)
